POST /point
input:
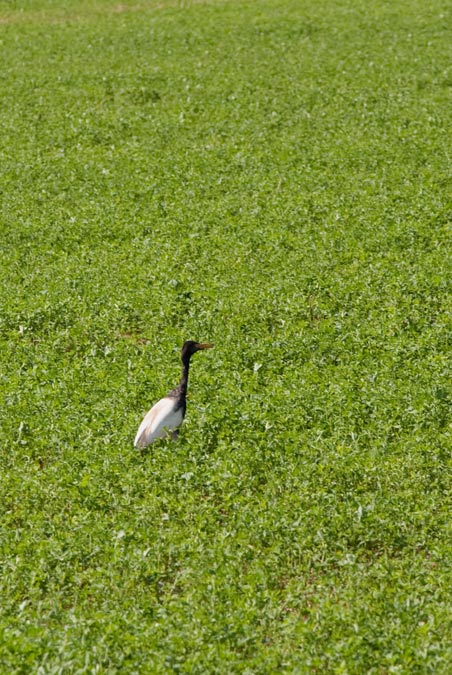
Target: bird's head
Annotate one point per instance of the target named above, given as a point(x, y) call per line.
point(190, 347)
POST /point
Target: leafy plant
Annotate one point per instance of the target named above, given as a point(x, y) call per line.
point(272, 177)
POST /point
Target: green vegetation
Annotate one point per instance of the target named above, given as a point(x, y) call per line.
point(272, 176)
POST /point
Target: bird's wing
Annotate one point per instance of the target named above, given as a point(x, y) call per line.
point(160, 417)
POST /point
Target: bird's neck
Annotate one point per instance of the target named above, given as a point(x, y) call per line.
point(184, 378)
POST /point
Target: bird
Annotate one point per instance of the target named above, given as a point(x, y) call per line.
point(167, 415)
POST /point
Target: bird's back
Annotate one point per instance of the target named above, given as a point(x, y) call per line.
point(164, 416)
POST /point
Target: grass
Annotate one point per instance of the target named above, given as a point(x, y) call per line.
point(273, 176)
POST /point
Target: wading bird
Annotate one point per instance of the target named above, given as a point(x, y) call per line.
point(167, 415)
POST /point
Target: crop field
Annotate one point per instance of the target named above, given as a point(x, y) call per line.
point(272, 176)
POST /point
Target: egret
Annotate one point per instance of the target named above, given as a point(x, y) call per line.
point(167, 415)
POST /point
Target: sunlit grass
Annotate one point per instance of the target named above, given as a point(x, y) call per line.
point(273, 177)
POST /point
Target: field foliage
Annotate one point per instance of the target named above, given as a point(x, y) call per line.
point(273, 176)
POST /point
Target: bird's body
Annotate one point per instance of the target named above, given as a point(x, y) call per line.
point(167, 415)
point(162, 418)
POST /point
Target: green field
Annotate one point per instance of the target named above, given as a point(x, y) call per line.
point(273, 176)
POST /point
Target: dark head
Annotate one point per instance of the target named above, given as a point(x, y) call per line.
point(190, 347)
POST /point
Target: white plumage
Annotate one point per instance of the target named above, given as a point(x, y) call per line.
point(158, 422)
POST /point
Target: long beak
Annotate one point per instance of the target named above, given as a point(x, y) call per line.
point(204, 345)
